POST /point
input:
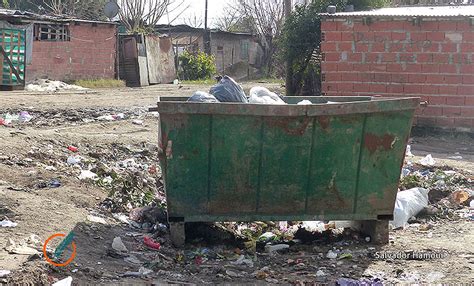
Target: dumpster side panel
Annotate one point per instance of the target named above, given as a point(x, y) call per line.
point(234, 164)
point(382, 153)
point(186, 145)
point(333, 173)
point(286, 154)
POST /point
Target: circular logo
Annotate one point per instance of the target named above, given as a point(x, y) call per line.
point(49, 260)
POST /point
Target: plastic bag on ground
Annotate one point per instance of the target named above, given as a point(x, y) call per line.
point(428, 161)
point(227, 90)
point(201, 96)
point(409, 203)
point(262, 95)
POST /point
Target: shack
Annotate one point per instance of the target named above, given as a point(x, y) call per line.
point(236, 54)
point(57, 47)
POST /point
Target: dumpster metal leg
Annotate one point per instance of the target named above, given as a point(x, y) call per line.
point(177, 233)
point(376, 229)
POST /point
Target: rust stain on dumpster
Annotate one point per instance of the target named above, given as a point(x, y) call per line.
point(324, 122)
point(286, 125)
point(373, 142)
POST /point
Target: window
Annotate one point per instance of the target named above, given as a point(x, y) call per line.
point(244, 50)
point(47, 32)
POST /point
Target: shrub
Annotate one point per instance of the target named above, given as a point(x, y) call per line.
point(198, 66)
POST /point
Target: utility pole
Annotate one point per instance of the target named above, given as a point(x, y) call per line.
point(289, 68)
point(287, 8)
point(207, 34)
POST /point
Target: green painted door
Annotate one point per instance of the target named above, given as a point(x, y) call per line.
point(12, 57)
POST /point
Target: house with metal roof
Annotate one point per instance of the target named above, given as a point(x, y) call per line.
point(236, 53)
point(422, 51)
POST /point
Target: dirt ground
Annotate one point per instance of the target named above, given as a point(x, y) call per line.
point(29, 156)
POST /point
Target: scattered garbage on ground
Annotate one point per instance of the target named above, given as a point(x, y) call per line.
point(46, 85)
point(8, 223)
point(228, 252)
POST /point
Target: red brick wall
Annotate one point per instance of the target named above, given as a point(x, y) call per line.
point(89, 54)
point(432, 60)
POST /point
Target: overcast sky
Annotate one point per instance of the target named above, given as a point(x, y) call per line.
point(197, 8)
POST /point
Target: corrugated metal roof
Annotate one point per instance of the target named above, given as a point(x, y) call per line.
point(23, 15)
point(166, 29)
point(414, 11)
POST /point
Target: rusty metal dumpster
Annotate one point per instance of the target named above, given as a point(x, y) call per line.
point(244, 162)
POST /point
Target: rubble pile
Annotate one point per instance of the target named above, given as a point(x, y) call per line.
point(46, 85)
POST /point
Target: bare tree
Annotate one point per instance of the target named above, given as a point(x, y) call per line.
point(266, 18)
point(230, 19)
point(137, 15)
point(194, 21)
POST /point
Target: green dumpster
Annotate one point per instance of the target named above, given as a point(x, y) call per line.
point(337, 160)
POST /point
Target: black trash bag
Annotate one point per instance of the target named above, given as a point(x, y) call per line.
point(227, 90)
point(201, 96)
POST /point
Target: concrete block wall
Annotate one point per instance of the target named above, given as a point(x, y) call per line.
point(432, 59)
point(90, 54)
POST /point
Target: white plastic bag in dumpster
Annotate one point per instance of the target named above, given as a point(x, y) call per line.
point(305, 102)
point(262, 95)
point(409, 203)
point(227, 90)
point(201, 96)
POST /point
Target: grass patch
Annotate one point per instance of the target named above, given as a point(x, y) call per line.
point(100, 83)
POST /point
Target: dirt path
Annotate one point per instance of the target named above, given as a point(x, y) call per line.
point(28, 153)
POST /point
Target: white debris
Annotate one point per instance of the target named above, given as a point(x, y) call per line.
point(46, 85)
point(4, 273)
point(73, 160)
point(262, 95)
point(313, 225)
point(24, 116)
point(50, 168)
point(242, 260)
point(106, 118)
point(408, 151)
point(20, 249)
point(87, 175)
point(96, 219)
point(455, 157)
point(34, 240)
point(409, 203)
point(7, 223)
point(305, 102)
point(65, 282)
point(276, 247)
point(118, 245)
point(121, 217)
point(428, 161)
point(331, 254)
point(267, 236)
point(232, 273)
point(137, 122)
point(320, 273)
point(434, 277)
point(132, 259)
point(141, 272)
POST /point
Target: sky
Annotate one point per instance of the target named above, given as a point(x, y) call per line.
point(196, 8)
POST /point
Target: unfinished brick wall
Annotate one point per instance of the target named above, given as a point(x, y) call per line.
point(89, 54)
point(431, 59)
